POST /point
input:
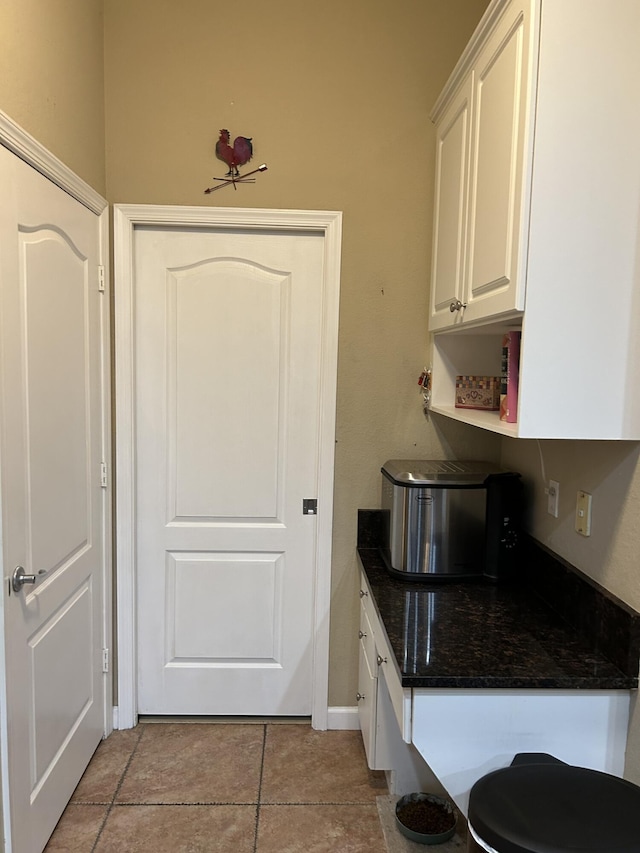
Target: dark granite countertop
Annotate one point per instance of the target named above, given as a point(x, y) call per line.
point(483, 635)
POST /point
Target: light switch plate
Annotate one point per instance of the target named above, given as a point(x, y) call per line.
point(583, 513)
point(553, 498)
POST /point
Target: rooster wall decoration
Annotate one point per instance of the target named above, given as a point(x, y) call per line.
point(240, 154)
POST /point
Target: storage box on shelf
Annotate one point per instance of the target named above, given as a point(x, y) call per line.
point(536, 217)
point(478, 392)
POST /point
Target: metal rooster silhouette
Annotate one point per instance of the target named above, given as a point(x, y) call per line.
point(240, 154)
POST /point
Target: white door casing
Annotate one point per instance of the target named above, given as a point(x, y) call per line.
point(55, 697)
point(192, 574)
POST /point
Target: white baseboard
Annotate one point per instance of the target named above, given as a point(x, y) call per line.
point(338, 718)
point(343, 718)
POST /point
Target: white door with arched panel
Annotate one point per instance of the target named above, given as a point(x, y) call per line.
point(53, 444)
point(228, 329)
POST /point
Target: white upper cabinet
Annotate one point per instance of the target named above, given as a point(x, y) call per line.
point(537, 216)
point(481, 136)
point(451, 195)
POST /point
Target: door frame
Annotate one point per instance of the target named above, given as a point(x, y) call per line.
point(126, 219)
point(27, 148)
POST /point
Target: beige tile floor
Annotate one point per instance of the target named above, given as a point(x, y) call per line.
point(224, 788)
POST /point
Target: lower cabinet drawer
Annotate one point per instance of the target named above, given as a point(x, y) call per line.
point(367, 703)
point(368, 639)
point(382, 658)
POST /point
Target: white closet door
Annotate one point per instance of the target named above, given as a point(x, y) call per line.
point(228, 326)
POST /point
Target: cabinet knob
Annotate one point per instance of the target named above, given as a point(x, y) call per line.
point(456, 305)
point(381, 660)
point(363, 592)
point(361, 634)
point(359, 697)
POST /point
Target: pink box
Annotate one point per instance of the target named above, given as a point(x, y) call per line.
point(510, 377)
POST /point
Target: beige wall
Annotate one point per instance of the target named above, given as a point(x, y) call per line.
point(52, 78)
point(336, 96)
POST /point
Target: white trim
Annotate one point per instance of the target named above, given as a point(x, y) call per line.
point(13, 137)
point(107, 494)
point(343, 718)
point(126, 218)
point(487, 23)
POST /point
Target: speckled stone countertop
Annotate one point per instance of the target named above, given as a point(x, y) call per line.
point(484, 635)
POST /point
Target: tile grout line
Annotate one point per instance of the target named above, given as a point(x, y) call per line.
point(143, 803)
point(308, 803)
point(115, 793)
point(264, 746)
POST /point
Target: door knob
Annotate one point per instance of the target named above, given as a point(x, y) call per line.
point(20, 578)
point(456, 305)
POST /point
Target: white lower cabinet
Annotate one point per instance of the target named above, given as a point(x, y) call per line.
point(466, 733)
point(443, 740)
point(384, 709)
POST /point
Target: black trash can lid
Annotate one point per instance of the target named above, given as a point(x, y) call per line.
point(555, 808)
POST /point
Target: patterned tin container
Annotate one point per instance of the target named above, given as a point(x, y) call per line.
point(478, 392)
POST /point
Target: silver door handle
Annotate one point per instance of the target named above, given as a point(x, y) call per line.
point(20, 578)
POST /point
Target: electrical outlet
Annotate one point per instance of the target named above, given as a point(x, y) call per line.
point(553, 498)
point(583, 513)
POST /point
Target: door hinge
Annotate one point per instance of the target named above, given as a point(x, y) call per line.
point(105, 660)
point(100, 278)
point(309, 506)
point(103, 475)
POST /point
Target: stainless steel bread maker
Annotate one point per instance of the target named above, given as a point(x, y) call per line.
point(450, 519)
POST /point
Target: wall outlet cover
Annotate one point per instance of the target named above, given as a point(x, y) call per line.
point(553, 498)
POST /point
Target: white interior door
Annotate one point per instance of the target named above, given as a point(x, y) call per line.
point(228, 326)
point(53, 506)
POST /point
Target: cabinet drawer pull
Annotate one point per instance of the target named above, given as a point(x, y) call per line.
point(359, 696)
point(362, 634)
point(381, 660)
point(363, 592)
point(456, 305)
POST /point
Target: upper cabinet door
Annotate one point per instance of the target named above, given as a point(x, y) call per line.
point(453, 142)
point(496, 246)
point(483, 143)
